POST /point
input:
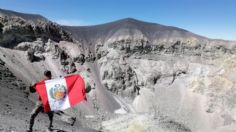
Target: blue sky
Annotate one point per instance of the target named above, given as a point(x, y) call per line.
point(211, 18)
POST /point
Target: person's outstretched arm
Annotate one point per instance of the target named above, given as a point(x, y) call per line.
point(32, 88)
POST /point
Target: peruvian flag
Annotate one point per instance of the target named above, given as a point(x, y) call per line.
point(62, 93)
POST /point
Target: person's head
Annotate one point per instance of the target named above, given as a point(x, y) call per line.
point(47, 75)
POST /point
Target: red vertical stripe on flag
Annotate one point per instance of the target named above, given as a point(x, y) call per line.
point(41, 90)
point(76, 89)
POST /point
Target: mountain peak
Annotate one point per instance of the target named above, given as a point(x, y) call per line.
point(129, 19)
point(130, 27)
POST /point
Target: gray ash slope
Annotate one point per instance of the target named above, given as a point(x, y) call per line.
point(152, 31)
point(14, 104)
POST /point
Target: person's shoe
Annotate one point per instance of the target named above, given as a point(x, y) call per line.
point(50, 129)
point(73, 121)
point(29, 130)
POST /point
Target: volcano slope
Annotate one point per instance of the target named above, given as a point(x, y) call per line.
point(139, 76)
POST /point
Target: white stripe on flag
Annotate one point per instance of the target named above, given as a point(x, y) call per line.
point(57, 94)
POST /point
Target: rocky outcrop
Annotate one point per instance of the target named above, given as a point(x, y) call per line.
point(121, 80)
point(203, 49)
point(16, 29)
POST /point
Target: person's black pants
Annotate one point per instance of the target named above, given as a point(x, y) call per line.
point(39, 108)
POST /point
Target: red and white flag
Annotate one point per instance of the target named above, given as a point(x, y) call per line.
point(62, 93)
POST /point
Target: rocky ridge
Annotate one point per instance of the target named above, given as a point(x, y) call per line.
point(15, 28)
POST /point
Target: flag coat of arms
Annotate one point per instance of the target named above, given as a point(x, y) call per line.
point(62, 93)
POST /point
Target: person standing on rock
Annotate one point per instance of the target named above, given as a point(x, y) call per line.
point(39, 106)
